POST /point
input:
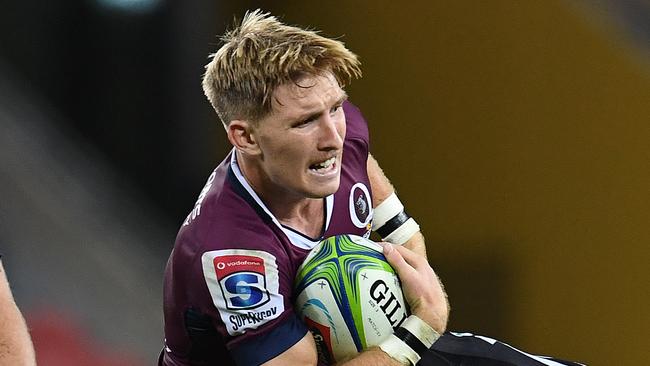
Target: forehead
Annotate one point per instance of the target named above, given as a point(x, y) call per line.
point(309, 93)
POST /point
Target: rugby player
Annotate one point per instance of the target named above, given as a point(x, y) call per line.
point(299, 171)
point(16, 346)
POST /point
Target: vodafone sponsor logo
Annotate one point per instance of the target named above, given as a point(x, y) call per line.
point(237, 261)
point(245, 287)
point(243, 280)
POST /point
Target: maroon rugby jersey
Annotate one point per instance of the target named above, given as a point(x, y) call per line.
point(228, 289)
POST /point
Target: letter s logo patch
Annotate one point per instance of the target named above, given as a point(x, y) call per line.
point(244, 285)
point(244, 290)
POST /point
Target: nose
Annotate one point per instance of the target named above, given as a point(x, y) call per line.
point(332, 133)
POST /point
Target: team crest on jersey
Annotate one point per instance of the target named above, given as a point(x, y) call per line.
point(360, 206)
point(244, 285)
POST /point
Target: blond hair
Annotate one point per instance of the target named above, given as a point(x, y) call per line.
point(261, 54)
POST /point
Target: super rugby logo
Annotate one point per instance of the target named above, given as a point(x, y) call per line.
point(244, 285)
point(242, 280)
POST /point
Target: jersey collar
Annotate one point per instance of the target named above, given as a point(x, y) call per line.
point(296, 238)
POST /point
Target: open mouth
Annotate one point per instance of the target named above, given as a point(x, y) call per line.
point(324, 166)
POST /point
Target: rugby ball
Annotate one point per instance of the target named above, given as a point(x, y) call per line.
point(348, 296)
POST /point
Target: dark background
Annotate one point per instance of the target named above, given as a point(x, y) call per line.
point(124, 81)
point(517, 134)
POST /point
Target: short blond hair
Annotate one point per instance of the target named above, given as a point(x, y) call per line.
point(261, 54)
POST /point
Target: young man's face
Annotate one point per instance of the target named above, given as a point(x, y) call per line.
point(302, 138)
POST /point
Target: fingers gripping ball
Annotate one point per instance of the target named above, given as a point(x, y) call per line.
point(349, 296)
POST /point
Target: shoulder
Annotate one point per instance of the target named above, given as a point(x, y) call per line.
point(357, 127)
point(226, 228)
point(230, 264)
point(223, 222)
point(210, 195)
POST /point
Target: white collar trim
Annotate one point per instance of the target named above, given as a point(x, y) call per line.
point(296, 238)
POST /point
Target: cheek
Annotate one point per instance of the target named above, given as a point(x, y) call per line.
point(273, 146)
point(286, 156)
point(342, 127)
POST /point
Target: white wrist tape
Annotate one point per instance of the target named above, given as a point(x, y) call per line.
point(386, 210)
point(421, 330)
point(392, 223)
point(403, 233)
point(399, 351)
point(410, 341)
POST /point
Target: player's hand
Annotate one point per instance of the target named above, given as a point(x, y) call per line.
point(421, 287)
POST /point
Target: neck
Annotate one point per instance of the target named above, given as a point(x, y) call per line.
point(298, 212)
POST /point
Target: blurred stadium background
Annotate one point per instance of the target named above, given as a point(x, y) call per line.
point(517, 132)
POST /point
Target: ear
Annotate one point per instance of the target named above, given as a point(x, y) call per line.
point(242, 135)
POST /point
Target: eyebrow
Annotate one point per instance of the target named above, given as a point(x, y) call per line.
point(309, 116)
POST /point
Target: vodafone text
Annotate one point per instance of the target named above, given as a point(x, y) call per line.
point(220, 265)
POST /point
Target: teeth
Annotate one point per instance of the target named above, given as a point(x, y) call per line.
point(326, 164)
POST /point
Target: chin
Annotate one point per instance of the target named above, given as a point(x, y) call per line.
point(324, 190)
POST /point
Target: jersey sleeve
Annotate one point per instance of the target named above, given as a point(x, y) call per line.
point(250, 285)
point(228, 283)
